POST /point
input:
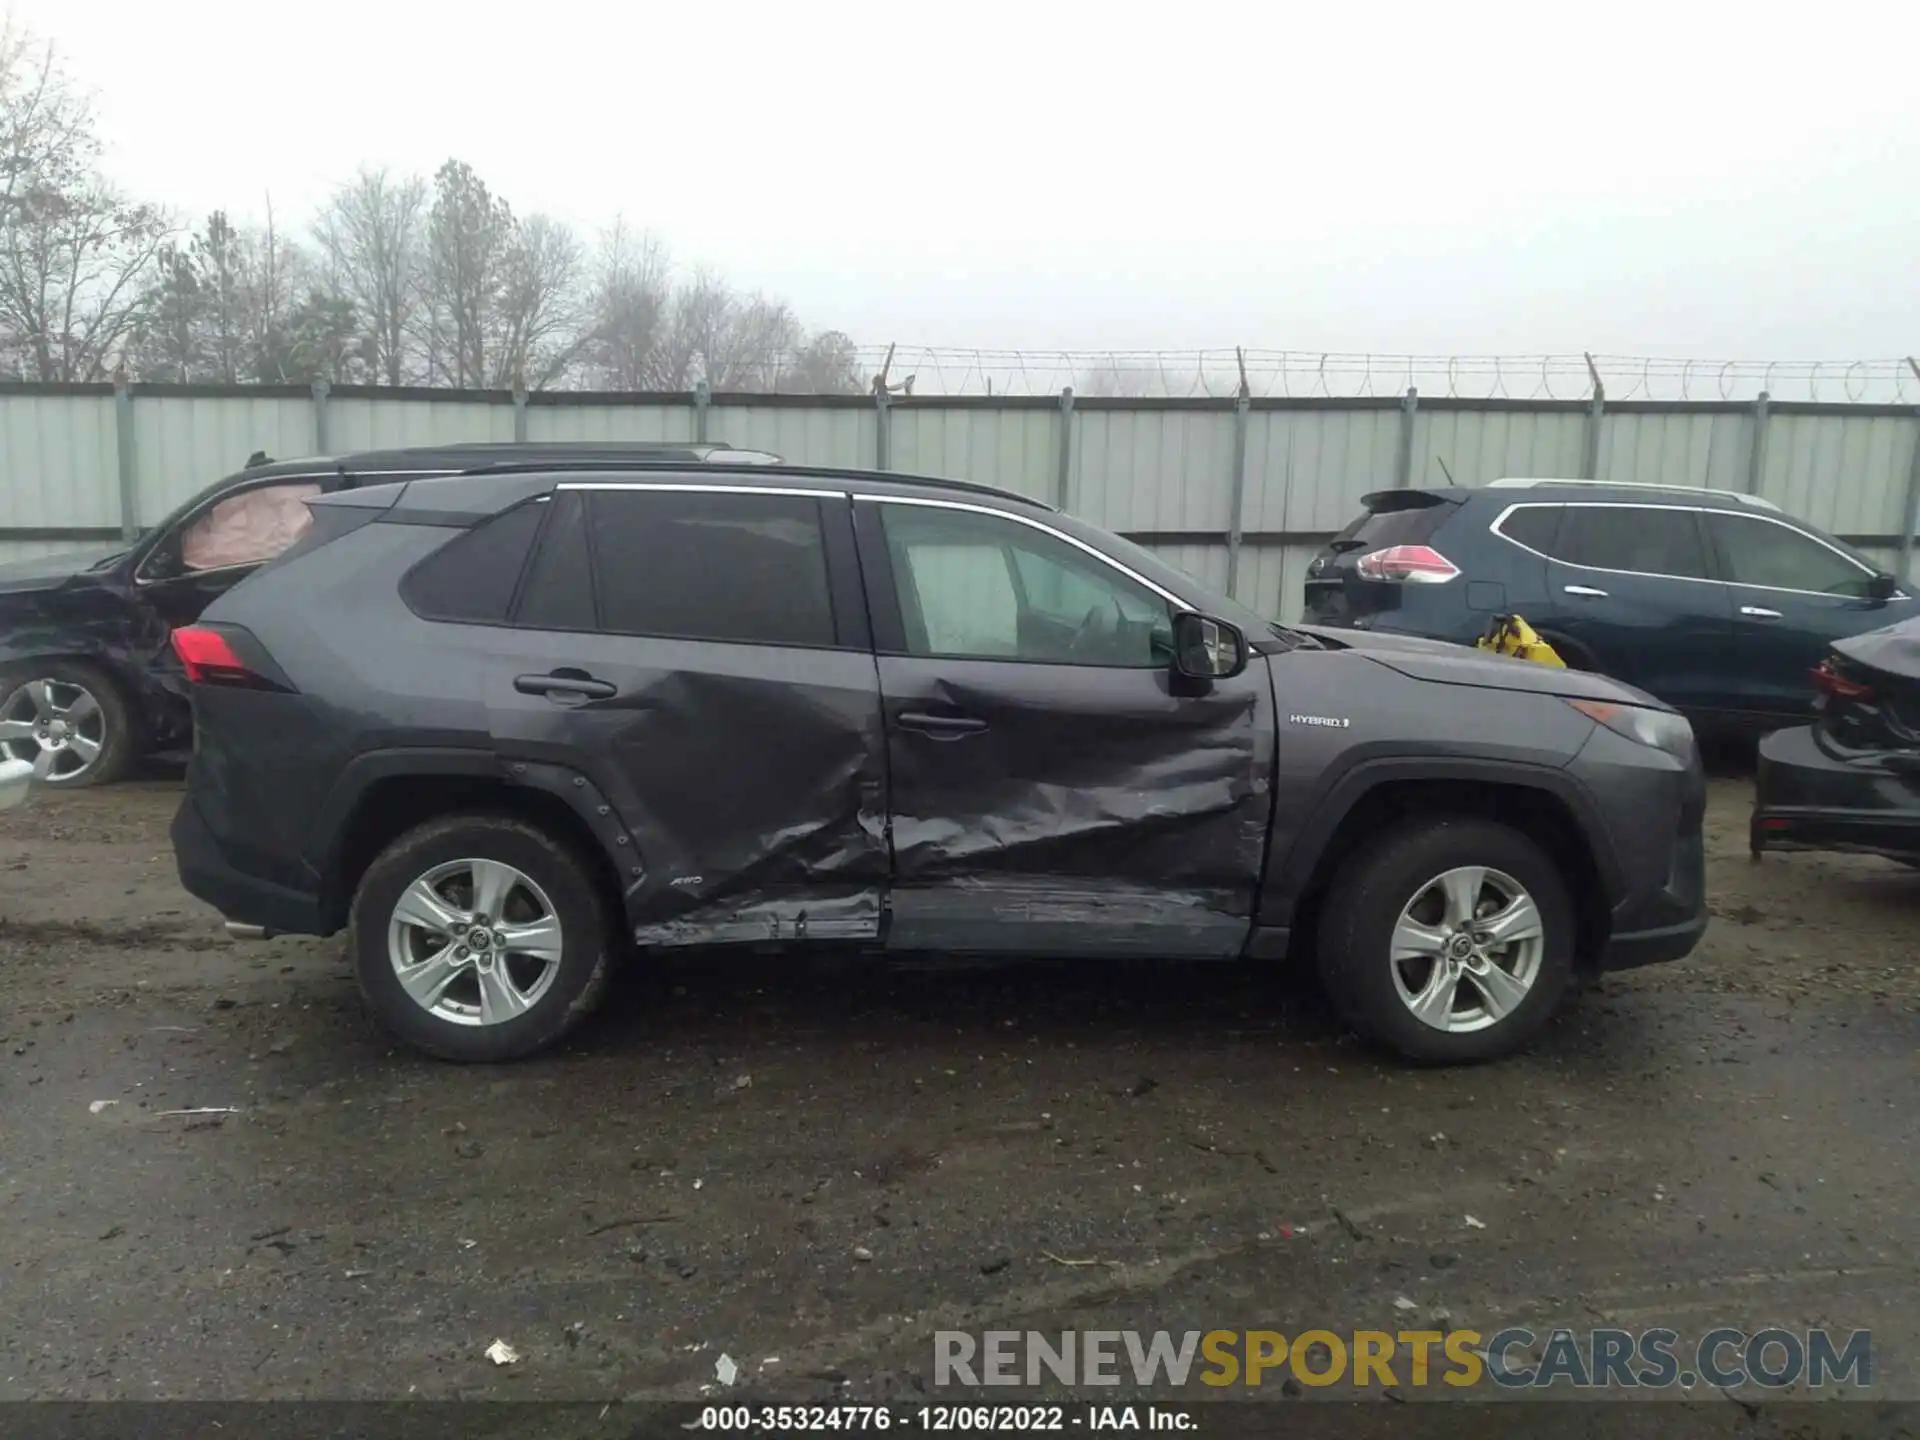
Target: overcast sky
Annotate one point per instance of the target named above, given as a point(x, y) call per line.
point(1687, 178)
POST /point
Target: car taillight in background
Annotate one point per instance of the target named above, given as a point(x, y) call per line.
point(214, 656)
point(1413, 564)
point(1829, 681)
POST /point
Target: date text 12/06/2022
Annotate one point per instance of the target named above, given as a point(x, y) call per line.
point(945, 1419)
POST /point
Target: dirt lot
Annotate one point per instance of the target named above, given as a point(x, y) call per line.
point(811, 1170)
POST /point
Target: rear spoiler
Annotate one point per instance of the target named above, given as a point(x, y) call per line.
point(1382, 502)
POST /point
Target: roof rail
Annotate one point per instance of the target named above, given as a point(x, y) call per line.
point(749, 464)
point(1759, 502)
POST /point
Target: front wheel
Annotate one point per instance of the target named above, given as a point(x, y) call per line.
point(480, 938)
point(1450, 941)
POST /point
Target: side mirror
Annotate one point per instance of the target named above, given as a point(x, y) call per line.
point(1882, 587)
point(1207, 649)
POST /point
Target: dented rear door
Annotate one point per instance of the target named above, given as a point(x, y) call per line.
point(1051, 789)
point(699, 654)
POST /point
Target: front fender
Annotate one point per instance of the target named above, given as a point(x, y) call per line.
point(1292, 871)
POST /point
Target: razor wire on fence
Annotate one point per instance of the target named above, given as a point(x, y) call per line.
point(1220, 373)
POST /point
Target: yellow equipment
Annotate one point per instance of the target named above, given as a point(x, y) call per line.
point(1510, 635)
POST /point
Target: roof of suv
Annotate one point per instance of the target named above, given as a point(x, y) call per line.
point(1639, 492)
point(484, 482)
point(1546, 490)
point(455, 459)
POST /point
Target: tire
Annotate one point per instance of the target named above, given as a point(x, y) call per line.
point(90, 707)
point(490, 1010)
point(1398, 876)
point(1576, 655)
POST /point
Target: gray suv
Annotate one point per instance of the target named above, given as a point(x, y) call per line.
point(504, 727)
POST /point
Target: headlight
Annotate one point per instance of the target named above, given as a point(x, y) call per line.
point(1662, 729)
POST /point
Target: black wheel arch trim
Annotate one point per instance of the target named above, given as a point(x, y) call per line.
point(1289, 875)
point(577, 791)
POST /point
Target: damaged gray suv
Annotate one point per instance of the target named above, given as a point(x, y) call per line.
point(503, 727)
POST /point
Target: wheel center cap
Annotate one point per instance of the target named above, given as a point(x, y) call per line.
point(479, 939)
point(57, 730)
point(1460, 947)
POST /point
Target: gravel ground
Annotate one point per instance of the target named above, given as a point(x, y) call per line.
point(810, 1169)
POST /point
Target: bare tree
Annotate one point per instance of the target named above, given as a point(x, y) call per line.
point(628, 311)
point(539, 314)
point(274, 272)
point(74, 251)
point(372, 235)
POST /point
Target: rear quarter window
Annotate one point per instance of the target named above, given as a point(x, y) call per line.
point(474, 575)
point(1409, 525)
point(1533, 526)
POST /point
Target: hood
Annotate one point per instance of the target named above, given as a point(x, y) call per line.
point(1892, 649)
point(49, 572)
point(1448, 664)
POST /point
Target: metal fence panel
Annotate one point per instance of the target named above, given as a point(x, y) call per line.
point(1476, 446)
point(355, 423)
point(1017, 450)
point(183, 443)
point(839, 435)
point(1845, 473)
point(58, 461)
point(1306, 470)
point(1677, 449)
point(1152, 470)
point(615, 422)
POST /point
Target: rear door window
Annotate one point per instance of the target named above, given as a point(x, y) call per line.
point(1635, 539)
point(743, 566)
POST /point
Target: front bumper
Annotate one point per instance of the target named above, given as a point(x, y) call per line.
point(243, 899)
point(16, 779)
point(1807, 799)
point(1653, 809)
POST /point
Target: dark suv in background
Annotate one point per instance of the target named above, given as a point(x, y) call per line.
point(1713, 601)
point(500, 726)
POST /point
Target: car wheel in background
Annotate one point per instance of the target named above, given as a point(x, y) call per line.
point(68, 721)
point(1448, 940)
point(480, 938)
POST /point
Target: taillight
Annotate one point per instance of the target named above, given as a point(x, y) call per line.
point(1829, 681)
point(210, 659)
point(1415, 564)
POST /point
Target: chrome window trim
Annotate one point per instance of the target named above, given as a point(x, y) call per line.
point(1105, 559)
point(712, 488)
point(1501, 519)
point(709, 488)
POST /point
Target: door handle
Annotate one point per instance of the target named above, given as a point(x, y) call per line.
point(1585, 591)
point(565, 682)
point(940, 724)
point(1759, 612)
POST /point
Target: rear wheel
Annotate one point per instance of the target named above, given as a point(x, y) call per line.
point(68, 721)
point(480, 938)
point(1451, 940)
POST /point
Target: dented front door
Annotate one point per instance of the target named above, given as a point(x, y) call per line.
point(1051, 791)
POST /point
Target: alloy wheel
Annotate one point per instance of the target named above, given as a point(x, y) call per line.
point(475, 942)
point(1467, 949)
point(56, 726)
